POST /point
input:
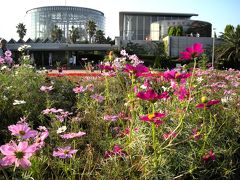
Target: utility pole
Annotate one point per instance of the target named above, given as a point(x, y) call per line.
point(213, 47)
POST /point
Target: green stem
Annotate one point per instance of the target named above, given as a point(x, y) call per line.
point(78, 102)
point(106, 91)
point(154, 137)
point(5, 174)
point(131, 100)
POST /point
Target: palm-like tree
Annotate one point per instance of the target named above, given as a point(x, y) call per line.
point(229, 50)
point(100, 37)
point(91, 29)
point(21, 30)
point(56, 33)
point(74, 34)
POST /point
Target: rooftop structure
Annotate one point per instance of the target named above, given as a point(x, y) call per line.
point(41, 20)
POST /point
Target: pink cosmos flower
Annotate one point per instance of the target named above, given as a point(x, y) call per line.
point(123, 52)
point(192, 52)
point(135, 60)
point(39, 140)
point(98, 98)
point(1, 60)
point(52, 110)
point(72, 135)
point(17, 154)
point(64, 152)
point(8, 53)
point(22, 130)
point(209, 156)
point(46, 88)
point(61, 116)
point(207, 104)
point(79, 89)
point(155, 118)
point(90, 87)
point(151, 95)
point(111, 117)
point(8, 60)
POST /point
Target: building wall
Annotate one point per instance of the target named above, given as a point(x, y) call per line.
point(176, 44)
point(40, 21)
point(137, 26)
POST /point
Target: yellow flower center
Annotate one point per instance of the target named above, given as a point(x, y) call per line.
point(19, 154)
point(150, 116)
point(177, 75)
point(204, 99)
point(22, 133)
point(66, 152)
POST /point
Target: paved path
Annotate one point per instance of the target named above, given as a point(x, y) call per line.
point(69, 71)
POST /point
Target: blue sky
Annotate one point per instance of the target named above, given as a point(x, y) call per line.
point(218, 12)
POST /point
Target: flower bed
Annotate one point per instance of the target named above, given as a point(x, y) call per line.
point(130, 125)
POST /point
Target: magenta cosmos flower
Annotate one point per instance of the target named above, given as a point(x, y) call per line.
point(17, 154)
point(22, 130)
point(117, 151)
point(173, 74)
point(196, 134)
point(72, 135)
point(170, 134)
point(151, 95)
point(64, 152)
point(155, 118)
point(192, 52)
point(138, 70)
point(207, 104)
point(209, 156)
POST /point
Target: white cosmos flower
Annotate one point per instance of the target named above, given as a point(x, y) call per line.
point(16, 102)
point(199, 79)
point(143, 87)
point(61, 129)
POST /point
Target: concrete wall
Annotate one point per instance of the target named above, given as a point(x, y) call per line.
point(176, 44)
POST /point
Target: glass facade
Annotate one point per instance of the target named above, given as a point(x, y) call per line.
point(137, 25)
point(40, 21)
point(204, 29)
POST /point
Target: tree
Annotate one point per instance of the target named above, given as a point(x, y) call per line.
point(179, 31)
point(21, 30)
point(175, 31)
point(91, 29)
point(228, 28)
point(100, 37)
point(172, 31)
point(110, 41)
point(229, 51)
point(56, 33)
point(74, 34)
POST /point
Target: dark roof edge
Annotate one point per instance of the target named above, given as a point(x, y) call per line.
point(157, 13)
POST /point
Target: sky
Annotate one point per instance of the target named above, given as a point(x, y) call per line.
point(218, 12)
